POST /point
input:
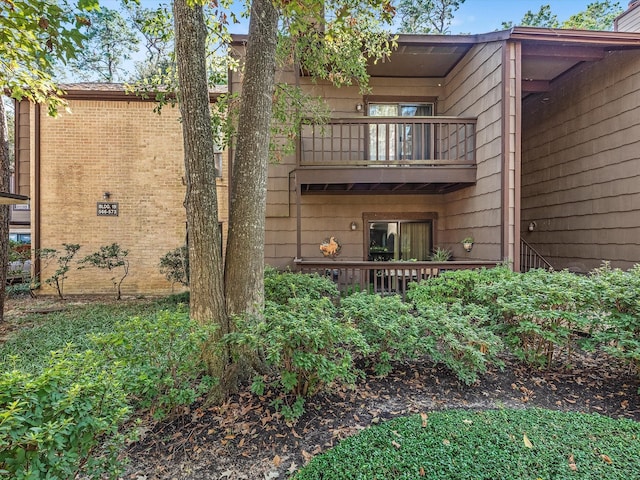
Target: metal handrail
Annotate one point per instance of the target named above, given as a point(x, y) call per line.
point(530, 258)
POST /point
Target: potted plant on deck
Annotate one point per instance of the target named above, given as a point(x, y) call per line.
point(467, 243)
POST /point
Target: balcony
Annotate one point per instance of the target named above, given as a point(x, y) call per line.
point(385, 278)
point(387, 155)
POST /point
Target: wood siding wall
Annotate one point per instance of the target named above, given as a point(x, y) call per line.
point(581, 166)
point(20, 218)
point(629, 21)
point(474, 89)
point(125, 149)
point(23, 146)
point(323, 216)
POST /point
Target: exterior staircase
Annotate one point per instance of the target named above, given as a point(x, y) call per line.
point(530, 258)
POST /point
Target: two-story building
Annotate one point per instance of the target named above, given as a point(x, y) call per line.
point(527, 140)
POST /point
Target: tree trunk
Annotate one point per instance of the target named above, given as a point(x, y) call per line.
point(207, 302)
point(244, 266)
point(4, 209)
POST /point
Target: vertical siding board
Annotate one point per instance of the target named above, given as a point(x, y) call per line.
point(581, 165)
point(474, 89)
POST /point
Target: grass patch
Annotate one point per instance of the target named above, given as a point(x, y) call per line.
point(506, 444)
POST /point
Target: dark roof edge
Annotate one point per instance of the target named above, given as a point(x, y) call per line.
point(416, 39)
point(117, 92)
point(587, 37)
point(13, 199)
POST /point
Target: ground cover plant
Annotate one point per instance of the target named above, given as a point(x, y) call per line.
point(37, 335)
point(62, 412)
point(506, 444)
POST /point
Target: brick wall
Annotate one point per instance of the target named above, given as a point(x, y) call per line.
point(123, 148)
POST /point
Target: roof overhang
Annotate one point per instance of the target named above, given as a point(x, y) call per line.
point(546, 53)
point(13, 199)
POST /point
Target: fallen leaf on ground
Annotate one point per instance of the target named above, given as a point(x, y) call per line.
point(424, 419)
point(606, 458)
point(572, 463)
point(527, 442)
point(395, 444)
point(277, 460)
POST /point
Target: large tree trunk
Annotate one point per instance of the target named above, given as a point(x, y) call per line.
point(4, 209)
point(244, 265)
point(206, 273)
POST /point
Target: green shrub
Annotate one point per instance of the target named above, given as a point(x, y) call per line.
point(159, 359)
point(305, 347)
point(456, 335)
point(617, 294)
point(174, 265)
point(456, 330)
point(280, 286)
point(496, 444)
point(63, 421)
point(539, 313)
point(387, 326)
point(456, 285)
point(58, 277)
point(110, 257)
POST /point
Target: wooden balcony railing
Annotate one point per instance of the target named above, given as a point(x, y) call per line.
point(385, 278)
point(385, 141)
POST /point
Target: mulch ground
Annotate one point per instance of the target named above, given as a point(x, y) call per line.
point(246, 439)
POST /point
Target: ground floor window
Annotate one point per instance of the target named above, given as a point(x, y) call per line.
point(400, 240)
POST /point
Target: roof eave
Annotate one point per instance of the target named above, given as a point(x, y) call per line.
point(584, 37)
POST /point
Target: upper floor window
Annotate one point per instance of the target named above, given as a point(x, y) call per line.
point(400, 140)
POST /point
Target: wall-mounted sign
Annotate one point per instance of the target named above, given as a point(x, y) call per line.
point(107, 209)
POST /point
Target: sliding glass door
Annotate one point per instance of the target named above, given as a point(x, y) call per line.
point(400, 240)
point(400, 140)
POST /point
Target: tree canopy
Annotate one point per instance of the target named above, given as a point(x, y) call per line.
point(34, 35)
point(599, 15)
point(110, 42)
point(427, 16)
